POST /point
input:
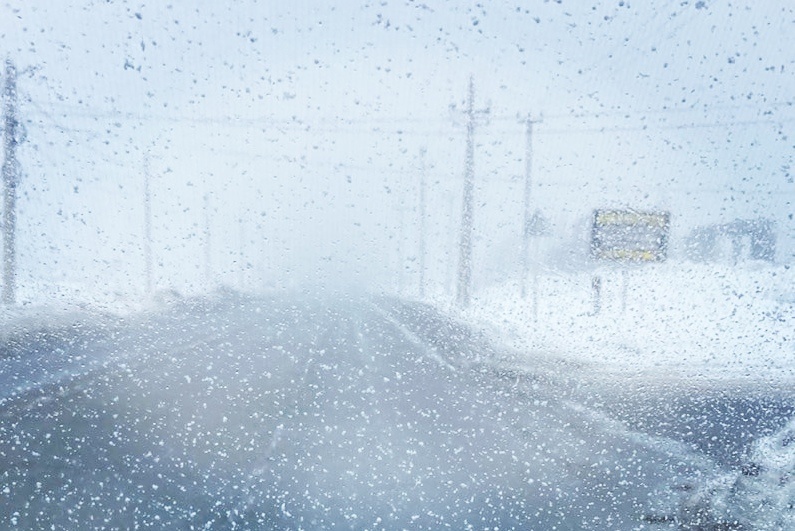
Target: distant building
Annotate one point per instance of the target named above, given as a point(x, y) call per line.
point(741, 239)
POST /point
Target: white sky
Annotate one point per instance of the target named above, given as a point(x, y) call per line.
point(305, 120)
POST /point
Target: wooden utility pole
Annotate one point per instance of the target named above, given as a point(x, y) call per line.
point(400, 250)
point(208, 271)
point(468, 207)
point(241, 270)
point(10, 180)
point(422, 224)
point(147, 228)
point(528, 185)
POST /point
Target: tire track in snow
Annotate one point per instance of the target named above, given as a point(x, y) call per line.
point(423, 348)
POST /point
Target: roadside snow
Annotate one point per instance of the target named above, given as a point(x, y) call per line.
point(673, 321)
point(49, 305)
point(45, 306)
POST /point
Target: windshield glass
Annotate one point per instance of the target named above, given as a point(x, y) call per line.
point(397, 265)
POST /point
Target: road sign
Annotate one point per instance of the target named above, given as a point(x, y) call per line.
point(630, 235)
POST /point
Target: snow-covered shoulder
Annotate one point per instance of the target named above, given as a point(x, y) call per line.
point(671, 321)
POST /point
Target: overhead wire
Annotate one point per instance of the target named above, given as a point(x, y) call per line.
point(340, 124)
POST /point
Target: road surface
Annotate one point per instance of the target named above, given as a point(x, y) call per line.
point(246, 412)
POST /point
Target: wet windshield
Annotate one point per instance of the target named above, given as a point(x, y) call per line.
point(397, 265)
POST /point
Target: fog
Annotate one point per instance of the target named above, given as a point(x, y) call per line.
point(283, 140)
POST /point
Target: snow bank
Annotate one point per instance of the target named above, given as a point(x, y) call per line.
point(56, 308)
point(759, 496)
point(672, 320)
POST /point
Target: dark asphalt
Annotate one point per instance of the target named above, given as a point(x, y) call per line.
point(353, 413)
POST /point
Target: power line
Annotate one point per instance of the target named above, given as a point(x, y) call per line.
point(646, 127)
point(644, 113)
point(337, 124)
point(454, 131)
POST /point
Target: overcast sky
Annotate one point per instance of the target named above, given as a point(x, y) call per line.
point(305, 120)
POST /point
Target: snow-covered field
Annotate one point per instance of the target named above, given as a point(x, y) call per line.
point(675, 321)
point(44, 306)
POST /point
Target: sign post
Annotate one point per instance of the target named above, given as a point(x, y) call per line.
point(627, 237)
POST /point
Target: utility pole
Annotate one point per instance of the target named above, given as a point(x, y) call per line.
point(528, 185)
point(422, 223)
point(242, 262)
point(467, 212)
point(449, 278)
point(400, 250)
point(208, 272)
point(533, 226)
point(147, 227)
point(10, 180)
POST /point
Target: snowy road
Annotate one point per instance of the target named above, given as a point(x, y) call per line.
point(348, 413)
